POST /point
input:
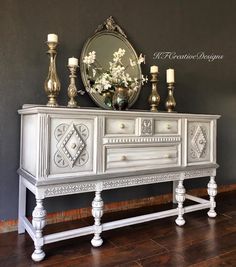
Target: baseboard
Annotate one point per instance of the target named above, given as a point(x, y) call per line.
point(56, 217)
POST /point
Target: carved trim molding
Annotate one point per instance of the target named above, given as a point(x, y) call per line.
point(200, 173)
point(134, 181)
point(58, 190)
point(69, 189)
point(141, 140)
point(43, 134)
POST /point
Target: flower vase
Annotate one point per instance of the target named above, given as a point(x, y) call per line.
point(120, 100)
point(108, 98)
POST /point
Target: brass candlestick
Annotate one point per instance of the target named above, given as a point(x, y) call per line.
point(170, 101)
point(72, 90)
point(154, 98)
point(52, 84)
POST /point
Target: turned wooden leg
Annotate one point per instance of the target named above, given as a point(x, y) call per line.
point(38, 221)
point(212, 192)
point(180, 197)
point(22, 206)
point(97, 212)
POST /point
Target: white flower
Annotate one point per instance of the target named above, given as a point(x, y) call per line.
point(116, 75)
point(90, 59)
point(118, 55)
point(141, 59)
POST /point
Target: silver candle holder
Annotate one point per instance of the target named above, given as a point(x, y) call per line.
point(170, 101)
point(52, 84)
point(154, 98)
point(72, 89)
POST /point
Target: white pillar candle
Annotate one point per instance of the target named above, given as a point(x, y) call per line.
point(170, 76)
point(52, 37)
point(73, 61)
point(154, 69)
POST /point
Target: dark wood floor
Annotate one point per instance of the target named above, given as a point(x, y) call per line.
point(200, 242)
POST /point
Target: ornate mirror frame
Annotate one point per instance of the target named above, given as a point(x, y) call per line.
point(109, 27)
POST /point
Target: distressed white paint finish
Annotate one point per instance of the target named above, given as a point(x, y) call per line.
point(166, 126)
point(127, 158)
point(97, 212)
point(86, 150)
point(38, 222)
point(180, 197)
point(22, 205)
point(29, 143)
point(115, 125)
point(212, 191)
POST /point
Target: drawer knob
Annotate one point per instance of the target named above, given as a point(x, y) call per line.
point(169, 127)
point(123, 158)
point(168, 156)
point(122, 126)
point(73, 145)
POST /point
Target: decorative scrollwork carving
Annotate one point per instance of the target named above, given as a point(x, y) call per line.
point(110, 25)
point(83, 130)
point(146, 127)
point(125, 182)
point(60, 130)
point(82, 159)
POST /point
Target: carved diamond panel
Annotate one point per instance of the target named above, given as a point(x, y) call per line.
point(71, 145)
point(199, 142)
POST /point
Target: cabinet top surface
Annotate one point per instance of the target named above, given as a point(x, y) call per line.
point(34, 109)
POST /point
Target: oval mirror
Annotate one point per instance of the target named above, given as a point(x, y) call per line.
point(109, 38)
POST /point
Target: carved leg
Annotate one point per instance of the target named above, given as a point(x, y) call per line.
point(97, 211)
point(180, 197)
point(22, 206)
point(39, 221)
point(212, 192)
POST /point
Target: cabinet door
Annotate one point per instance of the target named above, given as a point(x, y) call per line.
point(199, 142)
point(72, 144)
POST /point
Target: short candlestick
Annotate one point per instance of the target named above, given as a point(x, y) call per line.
point(170, 101)
point(154, 98)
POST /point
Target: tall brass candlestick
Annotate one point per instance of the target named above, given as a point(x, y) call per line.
point(154, 98)
point(170, 101)
point(72, 90)
point(52, 84)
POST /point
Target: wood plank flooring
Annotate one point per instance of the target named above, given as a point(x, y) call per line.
point(200, 242)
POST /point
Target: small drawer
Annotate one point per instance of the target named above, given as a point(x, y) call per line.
point(166, 126)
point(119, 126)
point(140, 158)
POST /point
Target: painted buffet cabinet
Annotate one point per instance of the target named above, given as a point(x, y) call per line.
point(69, 151)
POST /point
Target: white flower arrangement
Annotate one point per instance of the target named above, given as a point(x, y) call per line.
point(116, 76)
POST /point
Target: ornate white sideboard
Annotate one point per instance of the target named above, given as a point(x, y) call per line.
point(69, 151)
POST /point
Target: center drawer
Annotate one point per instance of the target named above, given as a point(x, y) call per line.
point(141, 158)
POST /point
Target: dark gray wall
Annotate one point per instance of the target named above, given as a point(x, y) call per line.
point(154, 25)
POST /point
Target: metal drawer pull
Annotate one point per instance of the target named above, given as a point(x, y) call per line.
point(123, 158)
point(168, 156)
point(122, 126)
point(169, 127)
point(73, 145)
